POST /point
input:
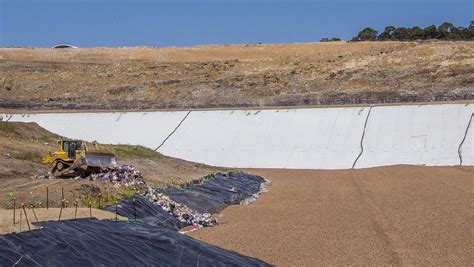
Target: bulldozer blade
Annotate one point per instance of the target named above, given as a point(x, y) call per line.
point(99, 160)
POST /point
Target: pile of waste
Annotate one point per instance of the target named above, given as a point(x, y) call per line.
point(124, 175)
point(188, 205)
point(180, 211)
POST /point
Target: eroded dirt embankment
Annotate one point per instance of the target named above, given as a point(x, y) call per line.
point(236, 76)
point(22, 146)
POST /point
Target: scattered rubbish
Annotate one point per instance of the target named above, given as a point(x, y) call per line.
point(124, 175)
point(181, 211)
point(146, 211)
point(192, 204)
point(46, 176)
point(189, 205)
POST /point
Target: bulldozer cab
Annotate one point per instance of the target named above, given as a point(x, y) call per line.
point(70, 147)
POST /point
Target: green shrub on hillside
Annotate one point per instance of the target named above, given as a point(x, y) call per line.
point(445, 31)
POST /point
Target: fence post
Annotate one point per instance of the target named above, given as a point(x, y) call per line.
point(26, 216)
point(34, 212)
point(47, 197)
point(100, 200)
point(61, 210)
point(21, 215)
point(14, 210)
point(75, 212)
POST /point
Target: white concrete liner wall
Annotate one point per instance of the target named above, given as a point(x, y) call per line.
point(318, 138)
point(143, 128)
point(293, 138)
point(421, 135)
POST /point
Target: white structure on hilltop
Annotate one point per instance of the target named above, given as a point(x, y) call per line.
point(64, 46)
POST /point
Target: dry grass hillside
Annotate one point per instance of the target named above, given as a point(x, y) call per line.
point(236, 75)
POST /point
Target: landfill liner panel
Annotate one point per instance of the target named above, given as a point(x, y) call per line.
point(192, 204)
point(217, 191)
point(141, 209)
point(90, 242)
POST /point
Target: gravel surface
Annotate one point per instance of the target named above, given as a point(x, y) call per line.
point(388, 215)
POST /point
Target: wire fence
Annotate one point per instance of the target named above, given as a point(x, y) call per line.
point(24, 207)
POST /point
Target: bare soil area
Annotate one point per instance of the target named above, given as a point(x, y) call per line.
point(236, 75)
point(42, 214)
point(400, 215)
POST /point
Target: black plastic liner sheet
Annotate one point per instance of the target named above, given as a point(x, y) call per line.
point(147, 212)
point(90, 242)
point(217, 191)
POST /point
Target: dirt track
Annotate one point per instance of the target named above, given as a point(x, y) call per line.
point(388, 215)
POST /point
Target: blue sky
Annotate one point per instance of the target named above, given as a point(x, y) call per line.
point(98, 23)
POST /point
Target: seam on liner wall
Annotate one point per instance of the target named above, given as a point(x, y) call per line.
point(176, 128)
point(362, 138)
point(464, 139)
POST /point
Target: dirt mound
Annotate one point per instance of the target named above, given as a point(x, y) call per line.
point(236, 75)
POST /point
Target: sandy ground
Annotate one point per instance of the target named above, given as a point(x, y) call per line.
point(52, 214)
point(388, 215)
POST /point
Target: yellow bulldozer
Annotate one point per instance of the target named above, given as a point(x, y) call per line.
point(75, 157)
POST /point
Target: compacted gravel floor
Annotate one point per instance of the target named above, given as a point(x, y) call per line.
point(387, 215)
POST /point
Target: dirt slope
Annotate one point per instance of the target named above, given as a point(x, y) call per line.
point(398, 215)
point(236, 75)
point(23, 144)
